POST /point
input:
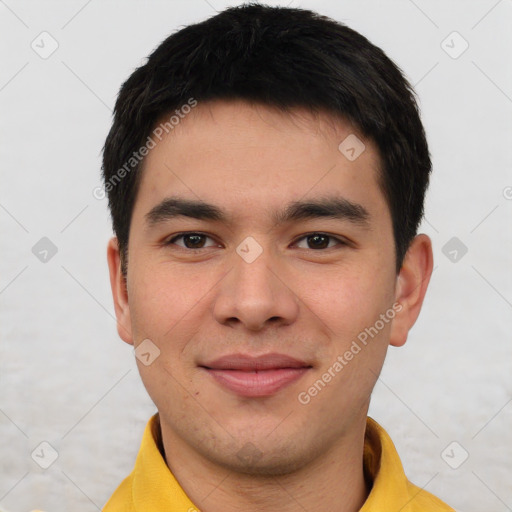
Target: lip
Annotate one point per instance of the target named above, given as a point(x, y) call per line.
point(260, 376)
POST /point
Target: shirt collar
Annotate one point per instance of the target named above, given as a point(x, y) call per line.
point(384, 469)
point(152, 486)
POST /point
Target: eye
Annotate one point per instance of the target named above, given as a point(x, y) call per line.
point(196, 240)
point(191, 240)
point(318, 241)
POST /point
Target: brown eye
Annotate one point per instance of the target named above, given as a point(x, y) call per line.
point(193, 241)
point(317, 241)
point(190, 241)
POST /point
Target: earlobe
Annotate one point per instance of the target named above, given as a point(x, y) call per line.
point(119, 292)
point(411, 287)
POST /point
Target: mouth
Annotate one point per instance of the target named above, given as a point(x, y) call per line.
point(256, 376)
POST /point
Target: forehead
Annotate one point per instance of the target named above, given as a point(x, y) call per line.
point(252, 157)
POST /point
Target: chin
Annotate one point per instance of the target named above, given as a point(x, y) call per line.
point(271, 462)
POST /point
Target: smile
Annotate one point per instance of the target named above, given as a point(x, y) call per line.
point(256, 376)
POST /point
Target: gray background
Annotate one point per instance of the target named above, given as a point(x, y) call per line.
point(66, 377)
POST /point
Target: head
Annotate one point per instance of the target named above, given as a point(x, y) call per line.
point(266, 172)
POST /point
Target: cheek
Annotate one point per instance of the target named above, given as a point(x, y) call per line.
point(348, 301)
point(163, 306)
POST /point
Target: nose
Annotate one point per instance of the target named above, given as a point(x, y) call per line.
point(256, 294)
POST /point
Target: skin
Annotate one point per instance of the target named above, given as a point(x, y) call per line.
point(295, 299)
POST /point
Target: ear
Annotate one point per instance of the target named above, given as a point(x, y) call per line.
point(119, 292)
point(411, 286)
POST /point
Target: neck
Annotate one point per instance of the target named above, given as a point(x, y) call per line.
point(333, 482)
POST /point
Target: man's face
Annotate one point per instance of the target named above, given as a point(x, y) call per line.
point(262, 281)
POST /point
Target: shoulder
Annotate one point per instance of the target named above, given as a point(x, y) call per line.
point(121, 500)
point(423, 501)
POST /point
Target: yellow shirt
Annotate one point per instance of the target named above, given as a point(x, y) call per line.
point(151, 487)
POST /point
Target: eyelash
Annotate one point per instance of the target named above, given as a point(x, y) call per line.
point(340, 242)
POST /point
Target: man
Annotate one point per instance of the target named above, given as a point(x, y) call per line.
point(266, 171)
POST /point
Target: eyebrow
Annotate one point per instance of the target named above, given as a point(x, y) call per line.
point(334, 207)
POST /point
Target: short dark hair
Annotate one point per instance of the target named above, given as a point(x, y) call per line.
point(285, 58)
